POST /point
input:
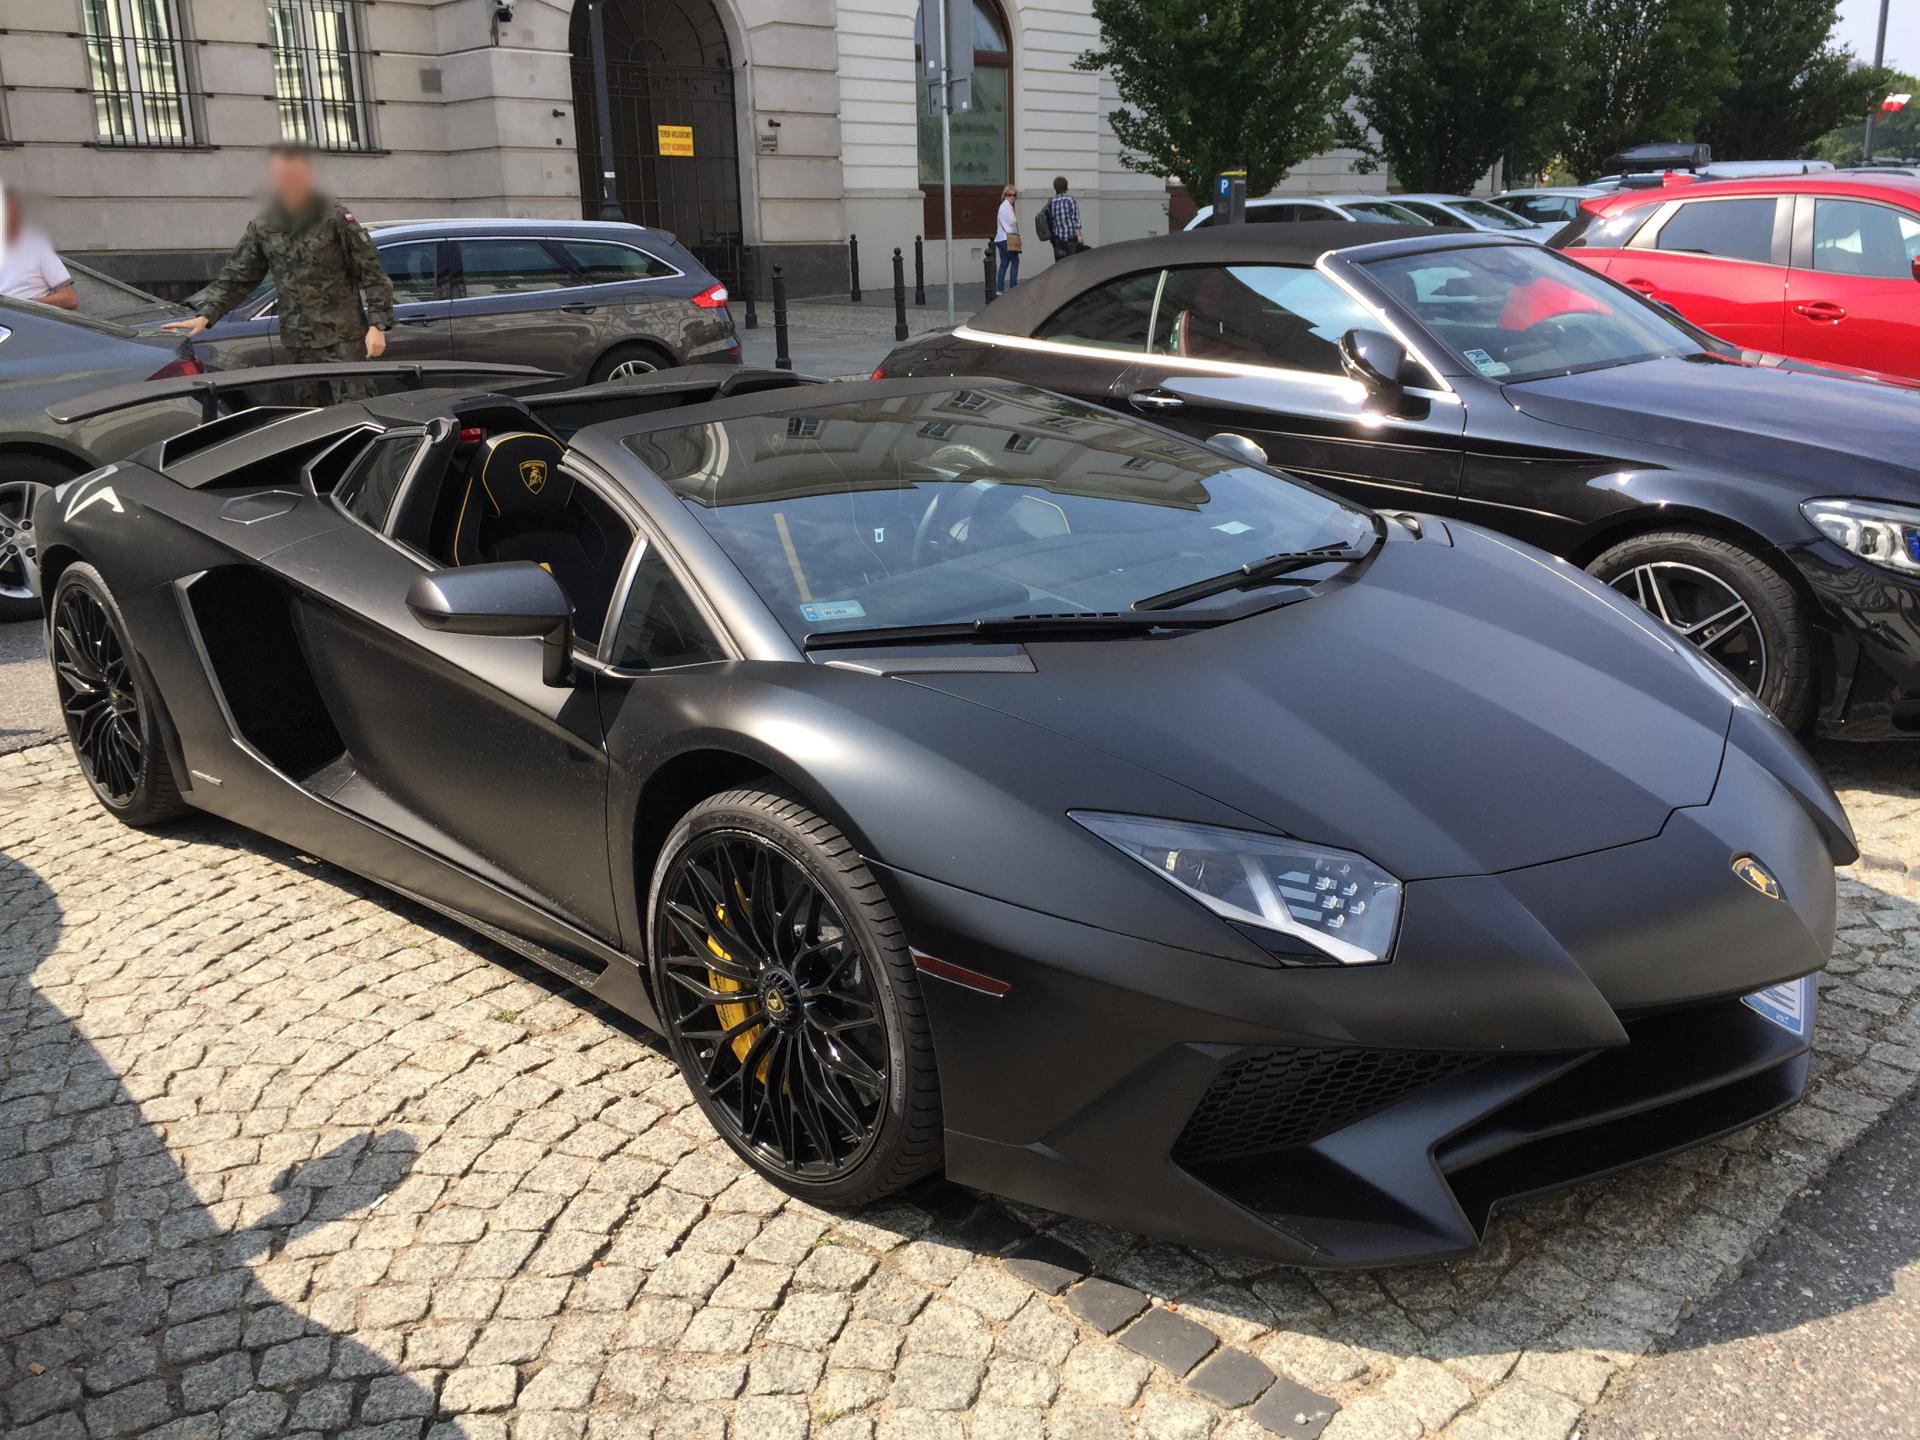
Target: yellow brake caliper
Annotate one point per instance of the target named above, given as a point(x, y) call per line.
point(732, 1015)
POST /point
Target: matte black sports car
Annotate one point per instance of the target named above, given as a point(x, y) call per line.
point(968, 775)
point(1768, 510)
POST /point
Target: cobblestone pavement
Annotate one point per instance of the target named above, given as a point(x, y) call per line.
point(282, 1154)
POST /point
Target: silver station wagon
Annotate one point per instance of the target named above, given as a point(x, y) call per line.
point(590, 300)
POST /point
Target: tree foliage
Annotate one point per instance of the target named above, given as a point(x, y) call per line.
point(1790, 84)
point(1212, 85)
point(1450, 86)
point(1639, 71)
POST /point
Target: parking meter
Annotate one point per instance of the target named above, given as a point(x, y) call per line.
point(1230, 198)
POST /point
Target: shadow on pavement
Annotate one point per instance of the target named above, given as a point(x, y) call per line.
point(132, 1295)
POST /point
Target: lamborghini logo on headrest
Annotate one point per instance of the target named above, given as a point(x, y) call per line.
point(533, 475)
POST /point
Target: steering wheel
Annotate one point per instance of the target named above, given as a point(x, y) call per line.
point(957, 462)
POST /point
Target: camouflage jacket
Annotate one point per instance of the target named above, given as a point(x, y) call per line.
point(331, 284)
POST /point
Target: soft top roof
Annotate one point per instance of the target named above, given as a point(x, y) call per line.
point(1020, 309)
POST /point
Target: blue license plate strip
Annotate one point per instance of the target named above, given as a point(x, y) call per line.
point(1790, 1006)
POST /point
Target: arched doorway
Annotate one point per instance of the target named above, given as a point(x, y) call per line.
point(982, 136)
point(668, 64)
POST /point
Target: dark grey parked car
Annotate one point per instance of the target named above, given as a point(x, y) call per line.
point(48, 355)
point(585, 299)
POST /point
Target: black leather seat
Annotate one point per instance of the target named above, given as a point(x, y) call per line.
point(520, 505)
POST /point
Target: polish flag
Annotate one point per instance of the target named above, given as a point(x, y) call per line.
point(1895, 102)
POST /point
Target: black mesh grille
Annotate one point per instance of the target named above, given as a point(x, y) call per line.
point(1282, 1098)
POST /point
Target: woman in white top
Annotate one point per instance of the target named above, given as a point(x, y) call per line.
point(1006, 238)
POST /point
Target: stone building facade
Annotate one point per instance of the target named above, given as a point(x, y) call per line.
point(139, 125)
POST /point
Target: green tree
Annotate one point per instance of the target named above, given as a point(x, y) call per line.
point(1450, 86)
point(1895, 136)
point(1791, 84)
point(1212, 85)
point(1641, 71)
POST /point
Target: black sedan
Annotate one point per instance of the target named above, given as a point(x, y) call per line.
point(972, 777)
point(1767, 510)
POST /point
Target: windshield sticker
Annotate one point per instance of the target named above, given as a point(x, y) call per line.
point(1234, 527)
point(833, 610)
point(1486, 364)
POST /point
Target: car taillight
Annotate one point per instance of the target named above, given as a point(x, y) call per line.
point(174, 369)
point(879, 373)
point(714, 297)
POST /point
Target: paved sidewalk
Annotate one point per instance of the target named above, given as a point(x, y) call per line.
point(280, 1153)
point(841, 340)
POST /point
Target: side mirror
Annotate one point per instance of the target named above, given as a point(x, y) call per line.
point(517, 597)
point(1914, 264)
point(1238, 446)
point(1375, 360)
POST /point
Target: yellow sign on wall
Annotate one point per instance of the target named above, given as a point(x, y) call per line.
point(676, 139)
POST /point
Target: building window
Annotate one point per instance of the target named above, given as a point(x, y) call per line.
point(318, 73)
point(982, 136)
point(137, 62)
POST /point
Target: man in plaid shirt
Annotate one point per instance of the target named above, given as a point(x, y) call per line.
point(1063, 213)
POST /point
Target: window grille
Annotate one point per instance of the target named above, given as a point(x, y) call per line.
point(319, 73)
point(137, 64)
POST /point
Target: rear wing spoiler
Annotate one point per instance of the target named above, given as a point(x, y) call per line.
point(209, 386)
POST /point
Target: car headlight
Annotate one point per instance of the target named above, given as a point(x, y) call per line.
point(1341, 904)
point(1879, 533)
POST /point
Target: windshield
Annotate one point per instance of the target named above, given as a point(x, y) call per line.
point(1520, 312)
point(960, 505)
point(1491, 216)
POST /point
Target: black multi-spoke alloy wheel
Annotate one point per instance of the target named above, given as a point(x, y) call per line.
point(108, 700)
point(790, 1001)
point(1726, 602)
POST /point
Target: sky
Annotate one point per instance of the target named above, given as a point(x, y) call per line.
point(1860, 18)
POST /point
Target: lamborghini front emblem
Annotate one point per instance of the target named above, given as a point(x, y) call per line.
point(533, 475)
point(1756, 875)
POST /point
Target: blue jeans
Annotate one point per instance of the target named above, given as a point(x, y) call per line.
point(1009, 267)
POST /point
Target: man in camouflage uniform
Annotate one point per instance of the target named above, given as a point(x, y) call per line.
point(335, 301)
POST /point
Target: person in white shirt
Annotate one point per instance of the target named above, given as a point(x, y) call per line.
point(1006, 238)
point(29, 267)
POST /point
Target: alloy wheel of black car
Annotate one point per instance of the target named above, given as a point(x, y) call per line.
point(1705, 610)
point(104, 696)
point(785, 1011)
point(17, 549)
point(1729, 604)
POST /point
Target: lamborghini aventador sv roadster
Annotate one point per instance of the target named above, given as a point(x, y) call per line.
point(964, 776)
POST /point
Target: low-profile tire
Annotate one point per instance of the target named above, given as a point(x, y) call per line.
point(821, 1074)
point(23, 479)
point(625, 361)
point(1731, 604)
point(112, 710)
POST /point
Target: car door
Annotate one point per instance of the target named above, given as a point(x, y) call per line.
point(1086, 346)
point(514, 301)
point(1254, 350)
point(422, 315)
point(1721, 263)
point(450, 741)
point(1853, 295)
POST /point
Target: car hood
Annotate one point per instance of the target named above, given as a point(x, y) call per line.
point(1766, 417)
point(1452, 710)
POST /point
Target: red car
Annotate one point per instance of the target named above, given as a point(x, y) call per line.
point(1818, 267)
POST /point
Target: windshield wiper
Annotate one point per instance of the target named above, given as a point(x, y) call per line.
point(1074, 625)
point(1273, 567)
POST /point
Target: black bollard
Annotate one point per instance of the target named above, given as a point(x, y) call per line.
point(782, 359)
point(853, 268)
point(899, 296)
point(986, 265)
point(747, 266)
point(919, 272)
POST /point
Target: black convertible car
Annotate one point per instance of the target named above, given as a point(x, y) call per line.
point(1768, 510)
point(967, 775)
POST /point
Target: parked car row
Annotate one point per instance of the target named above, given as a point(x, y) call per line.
point(1452, 210)
point(1764, 508)
point(583, 300)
